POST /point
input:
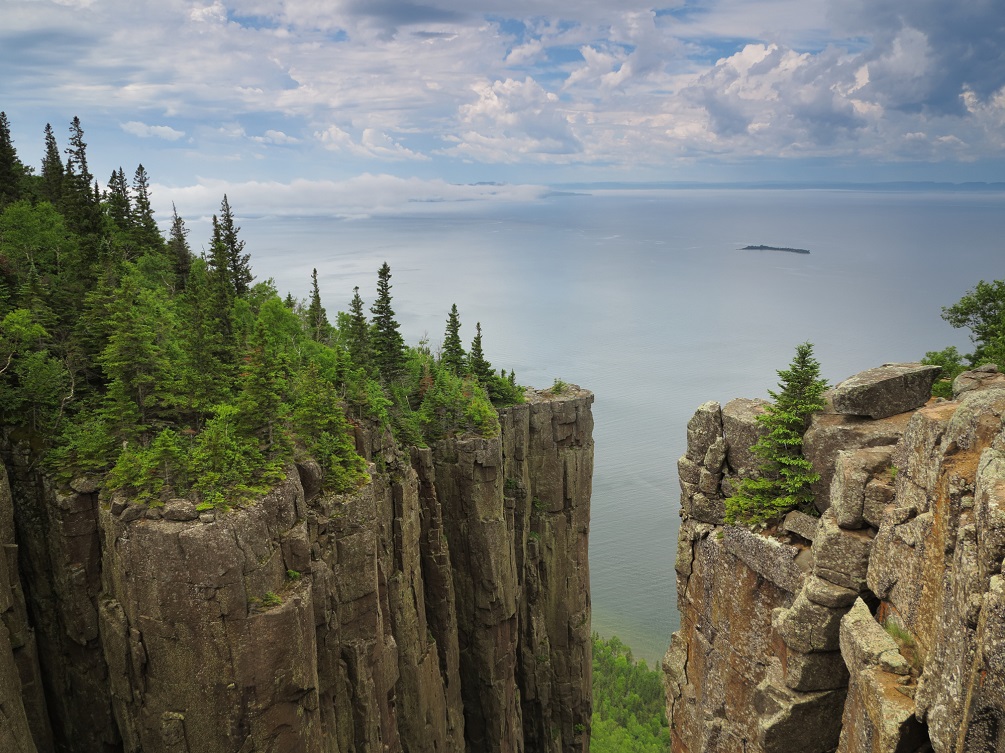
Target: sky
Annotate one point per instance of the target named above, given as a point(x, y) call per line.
point(350, 106)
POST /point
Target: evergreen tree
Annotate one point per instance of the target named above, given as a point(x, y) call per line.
point(80, 199)
point(784, 478)
point(386, 341)
point(317, 317)
point(480, 368)
point(52, 169)
point(238, 261)
point(358, 332)
point(178, 249)
point(117, 201)
point(145, 233)
point(453, 356)
point(11, 170)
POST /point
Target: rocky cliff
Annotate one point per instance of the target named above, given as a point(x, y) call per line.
point(443, 607)
point(878, 627)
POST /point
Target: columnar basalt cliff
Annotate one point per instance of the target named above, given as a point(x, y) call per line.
point(880, 626)
point(443, 607)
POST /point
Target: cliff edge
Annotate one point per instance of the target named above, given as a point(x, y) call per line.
point(442, 607)
point(878, 627)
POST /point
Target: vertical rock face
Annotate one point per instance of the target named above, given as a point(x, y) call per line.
point(442, 607)
point(889, 636)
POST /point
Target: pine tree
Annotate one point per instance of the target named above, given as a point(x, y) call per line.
point(117, 200)
point(238, 261)
point(11, 170)
point(785, 476)
point(387, 343)
point(317, 317)
point(52, 169)
point(178, 249)
point(80, 196)
point(480, 368)
point(221, 284)
point(145, 233)
point(453, 356)
point(358, 332)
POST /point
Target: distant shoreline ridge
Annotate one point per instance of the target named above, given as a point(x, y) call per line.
point(776, 248)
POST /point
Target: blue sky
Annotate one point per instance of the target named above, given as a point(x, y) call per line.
point(346, 106)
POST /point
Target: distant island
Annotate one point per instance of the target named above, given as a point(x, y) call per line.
point(775, 248)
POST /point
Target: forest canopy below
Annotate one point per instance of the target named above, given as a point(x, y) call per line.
point(173, 374)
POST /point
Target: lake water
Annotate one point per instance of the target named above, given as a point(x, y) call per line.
point(645, 298)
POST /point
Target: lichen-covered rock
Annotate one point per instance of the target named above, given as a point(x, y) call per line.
point(854, 470)
point(839, 555)
point(983, 377)
point(800, 524)
point(830, 433)
point(703, 429)
point(885, 391)
point(742, 430)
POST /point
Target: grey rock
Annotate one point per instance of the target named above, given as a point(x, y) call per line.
point(807, 627)
point(820, 670)
point(688, 471)
point(983, 377)
point(180, 509)
point(795, 722)
point(841, 556)
point(853, 470)
point(879, 495)
point(830, 433)
point(885, 391)
point(801, 524)
point(703, 429)
point(85, 485)
point(827, 594)
point(133, 512)
point(864, 643)
point(765, 556)
point(741, 431)
point(708, 509)
point(715, 457)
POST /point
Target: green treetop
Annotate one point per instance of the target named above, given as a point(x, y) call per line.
point(358, 331)
point(453, 356)
point(11, 170)
point(317, 317)
point(784, 477)
point(145, 233)
point(238, 261)
point(386, 341)
point(480, 368)
point(52, 169)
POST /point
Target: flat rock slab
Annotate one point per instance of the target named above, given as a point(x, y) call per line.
point(885, 391)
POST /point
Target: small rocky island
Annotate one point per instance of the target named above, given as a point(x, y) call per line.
point(775, 248)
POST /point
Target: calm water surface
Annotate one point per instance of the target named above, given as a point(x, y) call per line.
point(646, 299)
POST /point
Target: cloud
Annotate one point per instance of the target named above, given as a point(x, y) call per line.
point(275, 137)
point(372, 144)
point(512, 121)
point(136, 128)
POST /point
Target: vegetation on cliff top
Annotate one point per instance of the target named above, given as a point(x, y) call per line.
point(784, 477)
point(176, 374)
point(982, 311)
point(629, 702)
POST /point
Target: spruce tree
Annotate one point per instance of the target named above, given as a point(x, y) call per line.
point(358, 332)
point(785, 476)
point(80, 199)
point(238, 261)
point(11, 170)
point(52, 169)
point(453, 356)
point(387, 343)
point(117, 202)
point(145, 233)
point(178, 249)
point(480, 368)
point(317, 317)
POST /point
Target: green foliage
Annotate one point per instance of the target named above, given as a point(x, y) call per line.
point(629, 702)
point(453, 356)
point(453, 406)
point(559, 387)
point(951, 362)
point(785, 476)
point(124, 354)
point(982, 311)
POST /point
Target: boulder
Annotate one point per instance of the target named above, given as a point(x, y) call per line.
point(885, 391)
point(980, 378)
point(829, 433)
point(801, 524)
point(853, 472)
point(703, 429)
point(841, 556)
point(741, 429)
